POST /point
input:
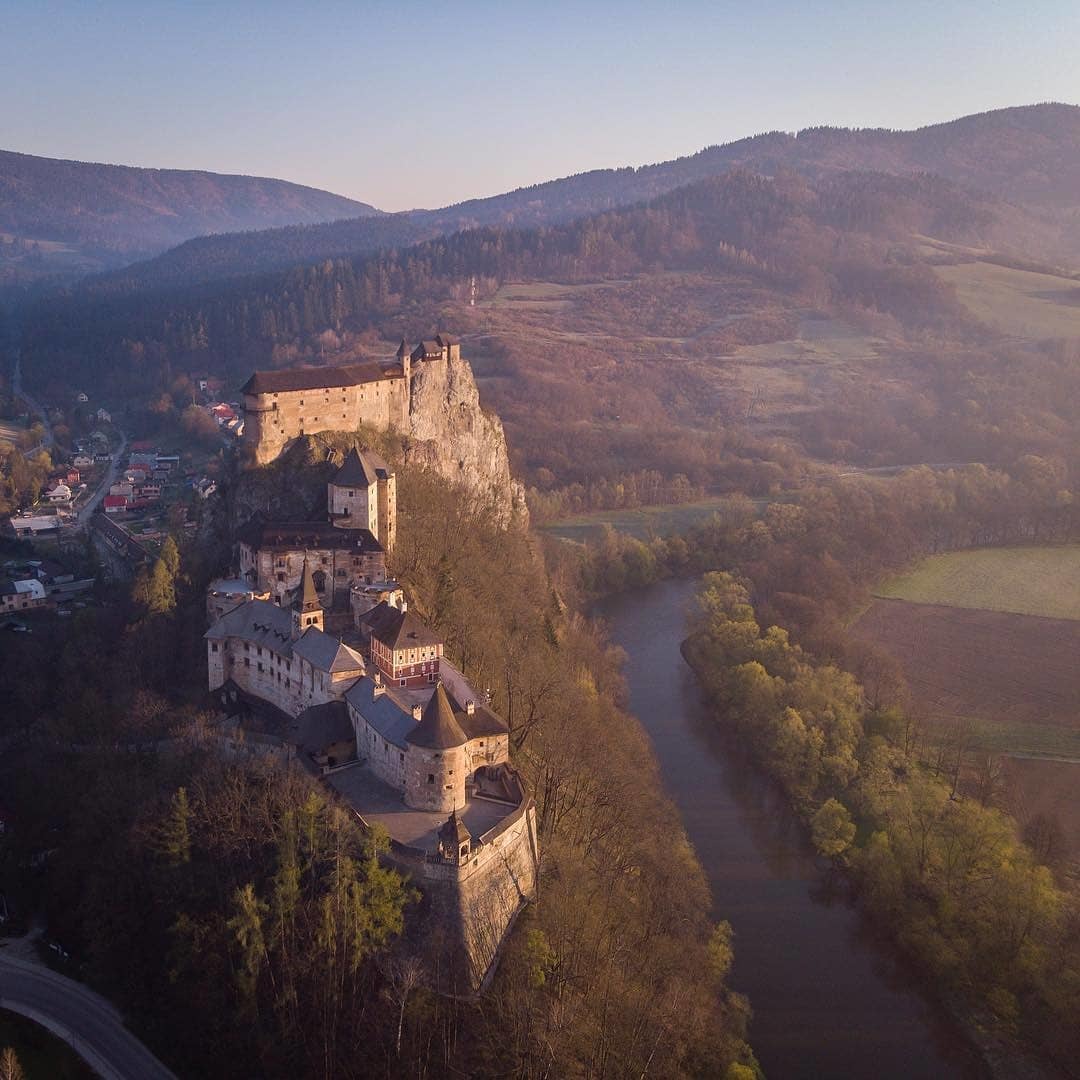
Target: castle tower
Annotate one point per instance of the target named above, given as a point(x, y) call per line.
point(404, 357)
point(306, 606)
point(435, 758)
point(455, 840)
point(363, 495)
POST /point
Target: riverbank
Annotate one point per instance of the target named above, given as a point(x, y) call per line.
point(830, 997)
point(803, 723)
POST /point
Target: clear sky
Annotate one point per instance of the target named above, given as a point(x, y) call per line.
point(406, 104)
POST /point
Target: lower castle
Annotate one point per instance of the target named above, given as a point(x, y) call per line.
point(378, 711)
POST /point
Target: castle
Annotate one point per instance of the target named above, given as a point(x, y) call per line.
point(376, 708)
point(347, 548)
point(280, 406)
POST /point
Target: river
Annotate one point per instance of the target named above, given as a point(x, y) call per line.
point(829, 997)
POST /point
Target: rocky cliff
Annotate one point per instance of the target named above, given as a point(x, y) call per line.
point(450, 433)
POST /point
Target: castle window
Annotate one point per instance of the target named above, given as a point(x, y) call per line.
point(281, 576)
point(260, 665)
point(401, 682)
point(431, 778)
point(351, 494)
point(288, 683)
point(213, 646)
point(401, 756)
point(247, 647)
point(247, 661)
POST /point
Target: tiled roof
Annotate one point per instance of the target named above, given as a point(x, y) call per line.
point(311, 378)
point(291, 535)
point(438, 729)
point(398, 629)
point(383, 713)
point(326, 652)
point(361, 468)
point(259, 622)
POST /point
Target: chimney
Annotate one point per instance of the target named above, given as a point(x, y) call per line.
point(417, 712)
point(378, 690)
point(470, 707)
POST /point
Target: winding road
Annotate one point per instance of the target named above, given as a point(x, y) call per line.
point(84, 1020)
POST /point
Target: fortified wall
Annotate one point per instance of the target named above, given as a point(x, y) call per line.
point(280, 406)
point(427, 393)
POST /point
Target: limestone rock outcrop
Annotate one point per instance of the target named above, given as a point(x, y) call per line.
point(450, 433)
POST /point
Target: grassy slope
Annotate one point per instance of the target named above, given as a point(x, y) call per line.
point(1024, 580)
point(1017, 301)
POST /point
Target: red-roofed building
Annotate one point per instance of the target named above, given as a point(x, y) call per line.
point(142, 445)
point(115, 504)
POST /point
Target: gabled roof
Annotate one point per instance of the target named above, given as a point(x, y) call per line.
point(426, 350)
point(311, 378)
point(320, 726)
point(483, 723)
point(361, 468)
point(326, 653)
point(437, 730)
point(385, 713)
point(445, 340)
point(292, 535)
point(398, 629)
point(259, 622)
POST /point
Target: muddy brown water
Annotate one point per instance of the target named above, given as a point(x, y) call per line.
point(830, 997)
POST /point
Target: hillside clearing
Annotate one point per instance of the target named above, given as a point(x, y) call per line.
point(1017, 301)
point(1022, 580)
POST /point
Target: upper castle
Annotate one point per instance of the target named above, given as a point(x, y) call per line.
point(280, 406)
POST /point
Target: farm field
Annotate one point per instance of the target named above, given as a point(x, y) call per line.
point(1047, 788)
point(1014, 679)
point(1017, 301)
point(1022, 580)
point(642, 523)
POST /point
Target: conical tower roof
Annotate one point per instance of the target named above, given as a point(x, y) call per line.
point(307, 596)
point(403, 350)
point(437, 730)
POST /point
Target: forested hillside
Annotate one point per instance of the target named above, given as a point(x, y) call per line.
point(1028, 155)
point(125, 212)
point(788, 233)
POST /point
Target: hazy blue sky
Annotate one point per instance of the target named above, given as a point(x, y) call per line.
point(422, 104)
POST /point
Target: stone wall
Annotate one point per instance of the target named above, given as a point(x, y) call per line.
point(279, 572)
point(435, 779)
point(272, 421)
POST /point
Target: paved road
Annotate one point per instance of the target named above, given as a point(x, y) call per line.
point(83, 1019)
point(103, 488)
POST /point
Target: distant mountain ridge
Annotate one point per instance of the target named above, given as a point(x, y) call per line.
point(125, 212)
point(1029, 155)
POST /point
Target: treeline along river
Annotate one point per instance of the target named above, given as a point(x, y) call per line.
point(830, 997)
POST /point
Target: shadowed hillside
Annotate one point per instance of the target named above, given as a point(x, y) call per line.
point(1028, 155)
point(118, 213)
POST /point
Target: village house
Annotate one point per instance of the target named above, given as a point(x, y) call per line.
point(25, 595)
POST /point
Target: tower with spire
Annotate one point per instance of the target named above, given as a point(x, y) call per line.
point(306, 606)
